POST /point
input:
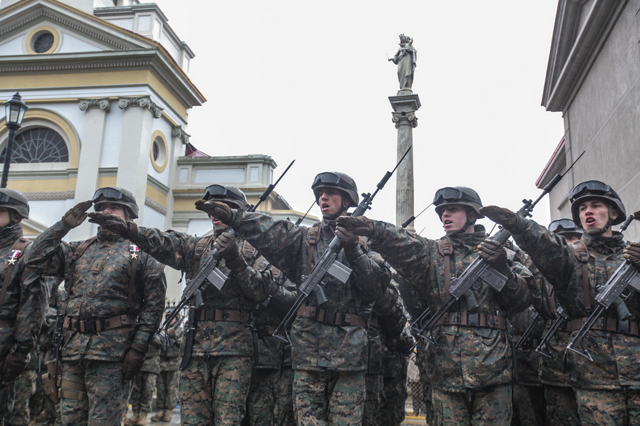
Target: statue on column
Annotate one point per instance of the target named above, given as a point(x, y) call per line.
point(406, 59)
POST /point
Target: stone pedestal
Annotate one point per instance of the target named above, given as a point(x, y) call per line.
point(404, 105)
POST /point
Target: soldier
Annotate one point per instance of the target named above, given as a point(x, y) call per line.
point(472, 365)
point(167, 383)
point(329, 340)
point(115, 298)
point(23, 297)
point(215, 376)
point(144, 384)
point(605, 387)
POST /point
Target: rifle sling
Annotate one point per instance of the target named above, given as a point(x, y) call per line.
point(446, 250)
point(582, 255)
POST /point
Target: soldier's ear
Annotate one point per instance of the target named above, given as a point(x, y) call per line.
point(471, 216)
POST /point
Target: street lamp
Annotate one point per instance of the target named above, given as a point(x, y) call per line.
point(14, 113)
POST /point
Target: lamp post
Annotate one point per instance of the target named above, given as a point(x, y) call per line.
point(14, 113)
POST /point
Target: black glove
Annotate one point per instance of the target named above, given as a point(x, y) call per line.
point(227, 245)
point(77, 214)
point(360, 225)
point(13, 365)
point(115, 224)
point(133, 361)
point(632, 254)
point(493, 252)
point(509, 220)
point(219, 210)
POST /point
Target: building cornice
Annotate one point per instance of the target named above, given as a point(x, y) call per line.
point(230, 160)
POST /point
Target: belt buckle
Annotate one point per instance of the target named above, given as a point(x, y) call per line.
point(454, 318)
point(473, 320)
point(89, 326)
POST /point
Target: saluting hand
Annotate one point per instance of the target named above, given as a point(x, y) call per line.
point(636, 215)
point(77, 214)
point(360, 225)
point(219, 210)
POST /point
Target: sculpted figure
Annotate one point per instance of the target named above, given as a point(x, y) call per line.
point(406, 59)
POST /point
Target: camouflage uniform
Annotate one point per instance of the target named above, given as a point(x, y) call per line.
point(57, 300)
point(25, 389)
point(329, 358)
point(215, 382)
point(607, 388)
point(167, 383)
point(22, 311)
point(284, 405)
point(144, 383)
point(97, 286)
point(472, 367)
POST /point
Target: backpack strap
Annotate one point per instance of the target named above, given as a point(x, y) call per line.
point(248, 251)
point(313, 236)
point(17, 249)
point(582, 255)
point(446, 250)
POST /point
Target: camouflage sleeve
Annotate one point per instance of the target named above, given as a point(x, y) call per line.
point(515, 296)
point(256, 281)
point(408, 254)
point(154, 287)
point(284, 298)
point(34, 301)
point(539, 288)
point(371, 276)
point(279, 241)
point(49, 254)
point(549, 252)
point(390, 313)
point(172, 248)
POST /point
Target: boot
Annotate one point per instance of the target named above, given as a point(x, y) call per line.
point(158, 417)
point(167, 416)
point(133, 420)
point(142, 420)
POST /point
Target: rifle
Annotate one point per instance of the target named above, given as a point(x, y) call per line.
point(328, 264)
point(562, 317)
point(624, 277)
point(480, 269)
point(536, 320)
point(209, 272)
point(300, 219)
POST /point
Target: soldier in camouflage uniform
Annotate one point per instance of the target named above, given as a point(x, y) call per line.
point(329, 340)
point(607, 387)
point(215, 377)
point(472, 365)
point(23, 297)
point(115, 299)
point(396, 359)
point(167, 383)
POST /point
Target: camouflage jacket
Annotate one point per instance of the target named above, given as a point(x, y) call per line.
point(318, 345)
point(527, 363)
point(467, 357)
point(97, 287)
point(615, 355)
point(26, 296)
point(241, 292)
point(170, 355)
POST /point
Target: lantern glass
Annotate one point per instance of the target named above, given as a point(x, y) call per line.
point(14, 110)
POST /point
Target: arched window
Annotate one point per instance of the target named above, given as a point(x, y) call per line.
point(38, 145)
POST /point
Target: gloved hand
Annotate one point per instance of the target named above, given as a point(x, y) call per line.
point(133, 360)
point(219, 210)
point(115, 224)
point(346, 237)
point(77, 214)
point(13, 365)
point(227, 245)
point(360, 225)
point(493, 252)
point(505, 217)
point(632, 254)
point(636, 215)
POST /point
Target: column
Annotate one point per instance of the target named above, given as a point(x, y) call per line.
point(403, 115)
point(90, 152)
point(137, 128)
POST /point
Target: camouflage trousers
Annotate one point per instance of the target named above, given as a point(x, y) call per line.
point(323, 398)
point(93, 393)
point(395, 394)
point(373, 402)
point(7, 400)
point(562, 407)
point(213, 390)
point(167, 389)
point(484, 406)
point(284, 406)
point(144, 384)
point(529, 406)
point(609, 407)
point(261, 401)
point(25, 389)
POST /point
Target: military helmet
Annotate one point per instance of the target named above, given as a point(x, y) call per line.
point(459, 195)
point(228, 194)
point(564, 226)
point(116, 195)
point(596, 189)
point(14, 200)
point(336, 180)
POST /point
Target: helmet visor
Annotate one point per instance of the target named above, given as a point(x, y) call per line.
point(563, 225)
point(220, 192)
point(328, 178)
point(451, 195)
point(591, 187)
point(110, 194)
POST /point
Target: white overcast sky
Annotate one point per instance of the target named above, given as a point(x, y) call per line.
point(310, 81)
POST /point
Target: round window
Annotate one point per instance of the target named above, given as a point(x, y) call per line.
point(43, 42)
point(158, 153)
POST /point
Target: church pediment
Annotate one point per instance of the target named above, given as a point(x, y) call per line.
point(31, 26)
point(581, 27)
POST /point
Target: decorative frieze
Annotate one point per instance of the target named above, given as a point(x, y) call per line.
point(142, 102)
point(178, 132)
point(155, 206)
point(102, 103)
point(50, 196)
